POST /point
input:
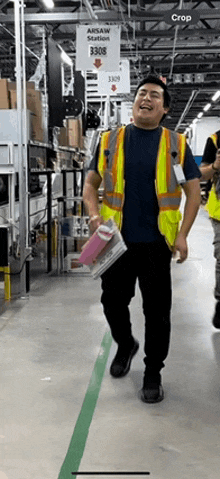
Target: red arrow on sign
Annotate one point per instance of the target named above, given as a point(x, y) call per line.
point(97, 63)
point(114, 87)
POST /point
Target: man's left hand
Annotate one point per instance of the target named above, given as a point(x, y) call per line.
point(181, 247)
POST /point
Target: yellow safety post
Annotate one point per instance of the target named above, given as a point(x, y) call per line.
point(7, 281)
point(54, 238)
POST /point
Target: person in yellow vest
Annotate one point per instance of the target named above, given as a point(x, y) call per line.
point(143, 168)
point(210, 169)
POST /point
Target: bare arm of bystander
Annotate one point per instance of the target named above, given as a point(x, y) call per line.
point(208, 170)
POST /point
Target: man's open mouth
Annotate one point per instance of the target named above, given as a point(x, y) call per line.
point(144, 107)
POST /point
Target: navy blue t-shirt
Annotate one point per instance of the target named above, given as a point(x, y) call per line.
point(140, 211)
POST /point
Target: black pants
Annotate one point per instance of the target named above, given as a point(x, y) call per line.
point(150, 263)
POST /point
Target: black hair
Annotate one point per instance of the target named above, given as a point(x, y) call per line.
point(157, 81)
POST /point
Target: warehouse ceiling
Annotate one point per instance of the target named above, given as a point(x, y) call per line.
point(188, 56)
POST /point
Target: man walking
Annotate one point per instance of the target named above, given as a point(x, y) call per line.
point(142, 167)
point(210, 169)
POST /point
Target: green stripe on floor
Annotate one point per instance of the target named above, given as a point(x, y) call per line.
point(81, 431)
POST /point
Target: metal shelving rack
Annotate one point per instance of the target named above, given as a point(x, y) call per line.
point(76, 221)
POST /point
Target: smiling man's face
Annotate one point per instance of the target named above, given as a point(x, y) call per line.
point(148, 108)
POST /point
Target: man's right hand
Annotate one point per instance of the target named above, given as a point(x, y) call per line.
point(95, 222)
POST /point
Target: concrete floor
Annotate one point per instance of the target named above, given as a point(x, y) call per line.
point(50, 345)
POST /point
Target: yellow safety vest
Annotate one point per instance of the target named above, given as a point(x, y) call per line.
point(213, 203)
point(171, 151)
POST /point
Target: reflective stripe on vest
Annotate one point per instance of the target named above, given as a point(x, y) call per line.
point(169, 202)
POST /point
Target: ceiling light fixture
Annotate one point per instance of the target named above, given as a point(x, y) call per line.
point(200, 114)
point(216, 95)
point(48, 3)
point(206, 108)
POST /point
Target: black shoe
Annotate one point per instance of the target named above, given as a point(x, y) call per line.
point(216, 317)
point(122, 360)
point(152, 390)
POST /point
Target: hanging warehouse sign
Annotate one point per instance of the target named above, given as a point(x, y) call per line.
point(181, 17)
point(98, 47)
point(112, 83)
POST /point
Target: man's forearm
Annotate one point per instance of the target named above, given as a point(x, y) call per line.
point(91, 200)
point(193, 201)
point(209, 170)
point(190, 211)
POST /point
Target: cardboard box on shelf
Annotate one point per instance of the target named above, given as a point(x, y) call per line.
point(13, 99)
point(37, 133)
point(33, 99)
point(4, 94)
point(29, 85)
point(35, 106)
point(63, 139)
point(74, 132)
point(34, 102)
